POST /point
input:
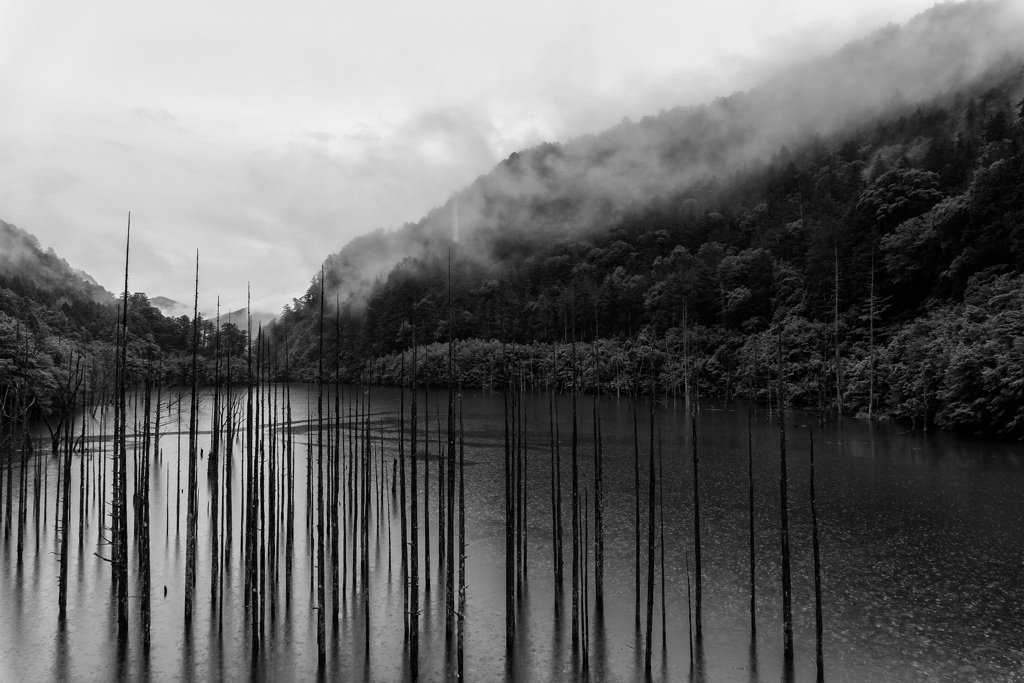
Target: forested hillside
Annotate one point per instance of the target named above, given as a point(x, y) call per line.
point(855, 223)
point(877, 251)
point(56, 321)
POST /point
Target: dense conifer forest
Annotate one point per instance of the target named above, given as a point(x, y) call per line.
point(883, 251)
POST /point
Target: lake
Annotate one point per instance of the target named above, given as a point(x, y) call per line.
point(922, 553)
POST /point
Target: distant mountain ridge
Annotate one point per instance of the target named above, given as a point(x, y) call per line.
point(24, 265)
point(588, 184)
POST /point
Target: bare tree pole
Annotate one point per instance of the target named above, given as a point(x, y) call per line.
point(402, 502)
point(598, 482)
point(518, 466)
point(321, 634)
point(510, 594)
point(414, 614)
point(651, 503)
point(290, 455)
point(335, 507)
point(450, 564)
point(65, 523)
point(696, 527)
point(121, 464)
point(213, 469)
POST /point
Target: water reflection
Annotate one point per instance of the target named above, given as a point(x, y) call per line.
point(913, 527)
point(752, 660)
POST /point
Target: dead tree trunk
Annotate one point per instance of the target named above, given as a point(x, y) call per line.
point(191, 525)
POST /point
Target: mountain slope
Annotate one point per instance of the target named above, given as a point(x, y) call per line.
point(590, 184)
point(855, 208)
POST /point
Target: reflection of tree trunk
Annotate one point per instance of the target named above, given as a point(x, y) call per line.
point(818, 628)
point(62, 595)
point(787, 608)
point(404, 530)
point(450, 605)
point(598, 488)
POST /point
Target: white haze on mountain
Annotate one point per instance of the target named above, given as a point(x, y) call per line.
point(604, 176)
point(268, 134)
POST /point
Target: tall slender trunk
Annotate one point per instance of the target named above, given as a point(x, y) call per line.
point(698, 626)
point(65, 524)
point(402, 502)
point(321, 634)
point(121, 493)
point(598, 486)
point(191, 524)
point(450, 564)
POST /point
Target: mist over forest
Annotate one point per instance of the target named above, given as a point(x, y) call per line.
point(609, 360)
point(864, 210)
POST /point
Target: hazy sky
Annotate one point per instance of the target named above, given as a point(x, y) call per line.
point(268, 133)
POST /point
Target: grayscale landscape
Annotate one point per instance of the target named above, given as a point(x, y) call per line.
point(583, 342)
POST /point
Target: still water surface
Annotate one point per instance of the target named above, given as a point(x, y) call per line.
point(922, 547)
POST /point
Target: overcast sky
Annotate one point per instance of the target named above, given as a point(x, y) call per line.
point(268, 133)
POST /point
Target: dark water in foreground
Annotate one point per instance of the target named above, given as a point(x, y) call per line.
point(922, 542)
